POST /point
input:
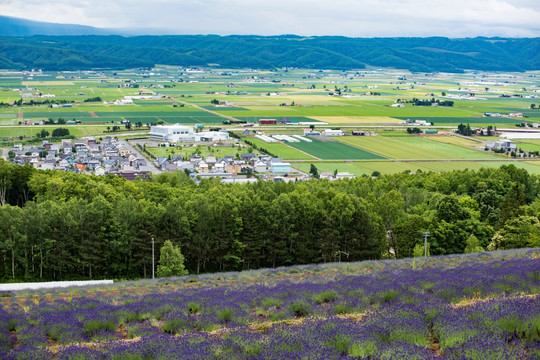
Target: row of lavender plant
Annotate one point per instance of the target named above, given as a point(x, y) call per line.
point(406, 311)
point(495, 329)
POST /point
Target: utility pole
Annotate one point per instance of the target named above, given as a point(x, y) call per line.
point(152, 258)
point(342, 252)
point(426, 235)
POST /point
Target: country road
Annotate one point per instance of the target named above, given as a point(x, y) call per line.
point(149, 162)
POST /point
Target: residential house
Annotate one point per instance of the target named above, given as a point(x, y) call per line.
point(202, 166)
point(260, 166)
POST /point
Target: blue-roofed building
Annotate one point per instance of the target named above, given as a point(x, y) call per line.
point(280, 167)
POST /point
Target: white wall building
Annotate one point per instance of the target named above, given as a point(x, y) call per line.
point(329, 132)
point(178, 133)
point(172, 133)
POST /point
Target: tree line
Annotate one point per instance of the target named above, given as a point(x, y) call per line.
point(62, 225)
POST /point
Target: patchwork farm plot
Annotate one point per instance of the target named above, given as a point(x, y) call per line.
point(414, 147)
point(391, 167)
point(422, 308)
point(30, 131)
point(371, 100)
point(332, 150)
point(281, 150)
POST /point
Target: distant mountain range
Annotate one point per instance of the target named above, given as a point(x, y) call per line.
point(11, 26)
point(90, 48)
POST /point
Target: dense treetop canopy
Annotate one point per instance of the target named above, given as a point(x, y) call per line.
point(61, 225)
point(267, 52)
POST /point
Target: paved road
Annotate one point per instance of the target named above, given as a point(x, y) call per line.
point(149, 162)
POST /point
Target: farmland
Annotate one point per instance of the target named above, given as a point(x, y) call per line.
point(391, 167)
point(409, 147)
point(409, 308)
point(422, 308)
point(334, 150)
point(281, 150)
point(377, 101)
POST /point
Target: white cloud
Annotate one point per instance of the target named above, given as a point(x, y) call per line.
point(362, 18)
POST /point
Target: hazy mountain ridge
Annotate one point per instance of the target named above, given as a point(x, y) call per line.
point(11, 26)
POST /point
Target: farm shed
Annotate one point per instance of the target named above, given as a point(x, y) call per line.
point(267, 121)
point(330, 132)
point(308, 132)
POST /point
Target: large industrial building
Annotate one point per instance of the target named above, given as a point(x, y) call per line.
point(178, 133)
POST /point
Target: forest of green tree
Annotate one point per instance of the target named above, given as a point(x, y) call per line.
point(268, 52)
point(62, 225)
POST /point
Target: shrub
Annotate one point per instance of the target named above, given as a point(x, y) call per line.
point(325, 297)
point(340, 309)
point(363, 350)
point(225, 315)
point(193, 308)
point(271, 302)
point(300, 308)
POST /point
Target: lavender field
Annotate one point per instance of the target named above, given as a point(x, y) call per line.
point(482, 306)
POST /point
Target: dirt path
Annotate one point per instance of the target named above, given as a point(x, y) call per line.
point(208, 111)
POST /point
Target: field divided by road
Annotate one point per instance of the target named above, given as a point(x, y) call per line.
point(280, 150)
point(330, 150)
point(413, 147)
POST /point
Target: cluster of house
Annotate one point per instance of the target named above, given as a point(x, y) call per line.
point(109, 156)
point(417, 122)
point(247, 163)
point(233, 169)
point(514, 115)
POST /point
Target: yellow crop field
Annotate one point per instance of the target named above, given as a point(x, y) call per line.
point(48, 83)
point(456, 140)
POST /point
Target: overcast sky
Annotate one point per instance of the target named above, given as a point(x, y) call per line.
point(357, 18)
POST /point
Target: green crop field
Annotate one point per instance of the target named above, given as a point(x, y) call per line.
point(390, 167)
point(334, 150)
point(56, 113)
point(280, 150)
point(224, 108)
point(414, 147)
point(301, 95)
point(457, 140)
point(29, 131)
point(202, 150)
point(528, 144)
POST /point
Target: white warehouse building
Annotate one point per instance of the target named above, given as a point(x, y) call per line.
point(178, 133)
point(172, 133)
point(329, 132)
